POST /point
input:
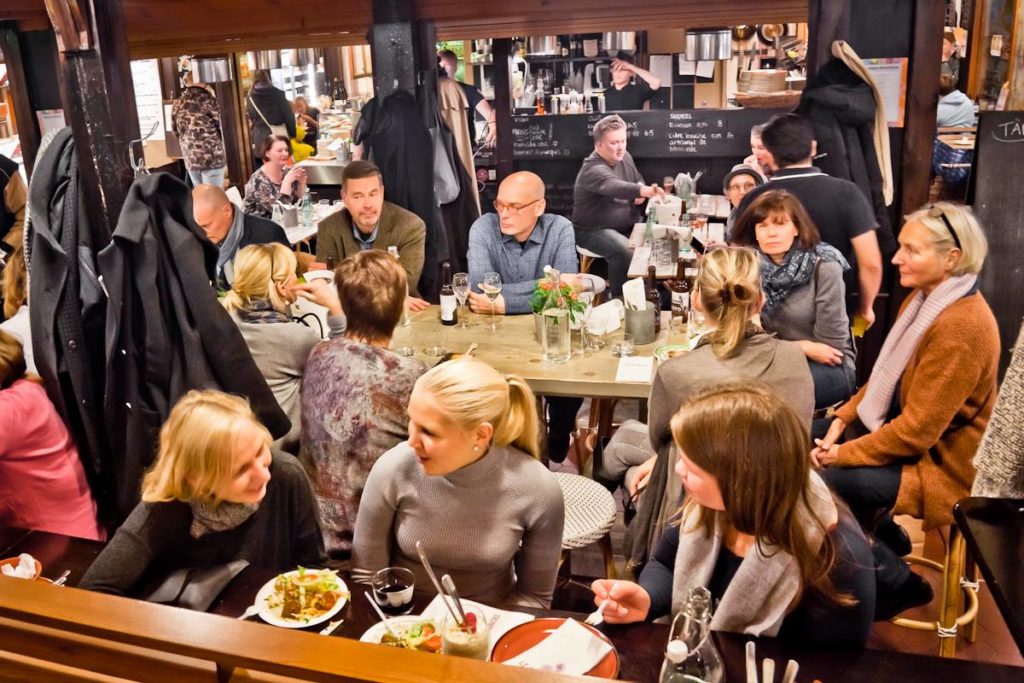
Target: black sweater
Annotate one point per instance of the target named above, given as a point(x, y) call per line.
point(813, 620)
point(282, 534)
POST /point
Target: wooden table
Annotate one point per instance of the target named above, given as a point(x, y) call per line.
point(993, 529)
point(513, 349)
point(640, 646)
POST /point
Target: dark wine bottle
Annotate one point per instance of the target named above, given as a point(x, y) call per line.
point(681, 293)
point(654, 297)
point(449, 308)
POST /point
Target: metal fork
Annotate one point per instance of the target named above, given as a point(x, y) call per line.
point(596, 618)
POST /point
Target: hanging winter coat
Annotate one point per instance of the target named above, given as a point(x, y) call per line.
point(842, 108)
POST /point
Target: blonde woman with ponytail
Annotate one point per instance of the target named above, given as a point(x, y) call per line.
point(467, 484)
point(259, 301)
point(735, 347)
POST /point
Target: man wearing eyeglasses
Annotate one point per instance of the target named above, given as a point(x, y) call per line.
point(607, 193)
point(516, 242)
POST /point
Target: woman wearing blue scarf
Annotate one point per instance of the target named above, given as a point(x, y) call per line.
point(802, 278)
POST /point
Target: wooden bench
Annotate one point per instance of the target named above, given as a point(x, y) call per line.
point(66, 634)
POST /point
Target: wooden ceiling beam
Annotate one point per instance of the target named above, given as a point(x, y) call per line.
point(160, 28)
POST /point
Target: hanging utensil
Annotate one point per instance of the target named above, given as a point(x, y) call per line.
point(433, 579)
point(449, 586)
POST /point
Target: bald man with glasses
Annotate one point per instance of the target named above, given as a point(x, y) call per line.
point(516, 242)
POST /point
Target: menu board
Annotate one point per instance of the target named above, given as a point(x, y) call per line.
point(652, 134)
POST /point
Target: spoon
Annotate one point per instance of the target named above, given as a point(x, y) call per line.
point(383, 619)
point(449, 586)
point(471, 349)
point(63, 578)
point(433, 578)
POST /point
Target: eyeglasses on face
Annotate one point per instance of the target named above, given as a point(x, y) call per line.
point(513, 209)
point(936, 212)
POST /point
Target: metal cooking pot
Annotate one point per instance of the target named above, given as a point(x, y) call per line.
point(542, 45)
point(620, 41)
point(709, 45)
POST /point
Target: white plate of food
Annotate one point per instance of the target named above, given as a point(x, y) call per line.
point(301, 598)
point(414, 633)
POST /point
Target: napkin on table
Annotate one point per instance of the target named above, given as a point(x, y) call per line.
point(605, 318)
point(633, 292)
point(572, 649)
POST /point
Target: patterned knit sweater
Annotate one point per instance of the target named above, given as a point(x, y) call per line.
point(946, 397)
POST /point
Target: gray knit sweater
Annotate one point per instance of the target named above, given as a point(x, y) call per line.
point(1000, 458)
point(280, 351)
point(471, 522)
point(817, 312)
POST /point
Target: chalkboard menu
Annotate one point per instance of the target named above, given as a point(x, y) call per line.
point(1000, 209)
point(652, 134)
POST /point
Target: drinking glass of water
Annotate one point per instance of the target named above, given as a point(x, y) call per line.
point(460, 284)
point(491, 286)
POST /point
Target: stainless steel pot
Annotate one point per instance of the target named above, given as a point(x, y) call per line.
point(706, 45)
point(542, 45)
point(620, 41)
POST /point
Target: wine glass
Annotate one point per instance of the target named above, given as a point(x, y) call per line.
point(491, 286)
point(460, 284)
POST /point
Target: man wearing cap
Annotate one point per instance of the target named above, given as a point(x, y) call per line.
point(736, 184)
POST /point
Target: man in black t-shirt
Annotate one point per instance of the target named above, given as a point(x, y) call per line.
point(622, 95)
point(449, 61)
point(839, 209)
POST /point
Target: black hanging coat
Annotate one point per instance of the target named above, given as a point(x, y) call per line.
point(842, 108)
point(67, 311)
point(166, 333)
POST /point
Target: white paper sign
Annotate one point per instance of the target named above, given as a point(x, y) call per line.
point(635, 369)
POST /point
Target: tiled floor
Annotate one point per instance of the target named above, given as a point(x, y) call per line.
point(994, 643)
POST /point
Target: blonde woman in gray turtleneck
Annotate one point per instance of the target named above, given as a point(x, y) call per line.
point(467, 484)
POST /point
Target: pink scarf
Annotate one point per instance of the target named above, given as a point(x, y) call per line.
point(901, 344)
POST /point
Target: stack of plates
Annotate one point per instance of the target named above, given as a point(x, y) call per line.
point(760, 81)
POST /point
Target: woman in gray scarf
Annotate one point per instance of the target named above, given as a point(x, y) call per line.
point(759, 529)
point(805, 297)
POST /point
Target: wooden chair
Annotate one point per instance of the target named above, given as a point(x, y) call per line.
point(956, 566)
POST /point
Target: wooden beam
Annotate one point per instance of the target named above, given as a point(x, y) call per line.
point(502, 55)
point(28, 127)
point(922, 101)
point(1015, 101)
point(97, 84)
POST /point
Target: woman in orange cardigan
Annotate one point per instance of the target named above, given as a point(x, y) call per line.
point(913, 429)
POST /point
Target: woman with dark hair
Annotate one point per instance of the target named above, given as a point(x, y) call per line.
point(355, 391)
point(42, 482)
point(268, 109)
point(274, 181)
point(759, 529)
point(805, 298)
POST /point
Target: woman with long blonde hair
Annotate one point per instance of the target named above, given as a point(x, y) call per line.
point(728, 292)
point(260, 301)
point(467, 484)
point(758, 528)
point(216, 493)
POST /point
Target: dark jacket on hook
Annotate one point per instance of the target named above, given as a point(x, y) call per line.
point(166, 332)
point(842, 108)
point(68, 305)
point(395, 138)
